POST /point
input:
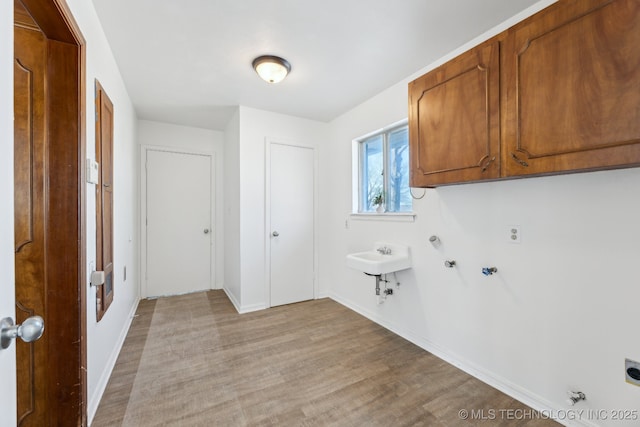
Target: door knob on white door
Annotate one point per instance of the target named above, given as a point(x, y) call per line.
point(206, 231)
point(30, 330)
point(275, 234)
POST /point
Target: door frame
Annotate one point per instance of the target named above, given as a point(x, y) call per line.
point(269, 142)
point(65, 202)
point(143, 211)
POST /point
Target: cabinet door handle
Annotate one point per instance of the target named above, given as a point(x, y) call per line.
point(521, 162)
point(486, 165)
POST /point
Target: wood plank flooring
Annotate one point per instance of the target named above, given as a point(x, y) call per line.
point(191, 360)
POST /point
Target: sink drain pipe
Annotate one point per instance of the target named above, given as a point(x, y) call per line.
point(378, 280)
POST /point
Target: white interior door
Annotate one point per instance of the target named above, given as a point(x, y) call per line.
point(178, 223)
point(7, 260)
point(291, 204)
point(7, 290)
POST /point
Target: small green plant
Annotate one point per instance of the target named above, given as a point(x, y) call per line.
point(378, 199)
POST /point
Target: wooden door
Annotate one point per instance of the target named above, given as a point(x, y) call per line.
point(104, 200)
point(571, 89)
point(291, 220)
point(48, 202)
point(454, 120)
point(29, 196)
point(178, 231)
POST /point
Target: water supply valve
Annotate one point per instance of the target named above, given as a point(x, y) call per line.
point(575, 397)
point(488, 271)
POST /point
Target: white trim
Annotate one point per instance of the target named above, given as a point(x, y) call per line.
point(386, 216)
point(143, 210)
point(498, 382)
point(251, 308)
point(267, 213)
point(232, 298)
point(387, 128)
point(323, 294)
point(239, 307)
point(94, 401)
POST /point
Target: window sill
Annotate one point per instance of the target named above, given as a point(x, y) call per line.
point(385, 216)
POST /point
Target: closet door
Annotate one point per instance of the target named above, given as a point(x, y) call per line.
point(178, 223)
point(291, 195)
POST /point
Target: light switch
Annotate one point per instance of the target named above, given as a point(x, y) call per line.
point(92, 171)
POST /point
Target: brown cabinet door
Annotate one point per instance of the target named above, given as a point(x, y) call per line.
point(104, 200)
point(571, 89)
point(454, 120)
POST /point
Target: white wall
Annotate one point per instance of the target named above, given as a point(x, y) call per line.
point(560, 313)
point(255, 127)
point(105, 338)
point(7, 292)
point(232, 282)
point(156, 134)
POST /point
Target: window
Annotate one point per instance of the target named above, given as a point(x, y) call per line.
point(383, 171)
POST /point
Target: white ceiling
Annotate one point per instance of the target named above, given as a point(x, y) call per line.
point(189, 61)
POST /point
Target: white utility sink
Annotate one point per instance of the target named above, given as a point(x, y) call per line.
point(375, 262)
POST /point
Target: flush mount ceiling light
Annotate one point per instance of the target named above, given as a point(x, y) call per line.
point(271, 69)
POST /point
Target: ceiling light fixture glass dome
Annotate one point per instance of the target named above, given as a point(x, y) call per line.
point(271, 69)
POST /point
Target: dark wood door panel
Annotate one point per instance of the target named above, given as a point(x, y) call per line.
point(454, 120)
point(104, 199)
point(49, 212)
point(572, 87)
point(29, 212)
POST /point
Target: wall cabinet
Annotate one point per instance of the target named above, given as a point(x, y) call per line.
point(569, 99)
point(454, 120)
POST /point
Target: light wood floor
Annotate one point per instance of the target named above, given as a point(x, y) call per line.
point(191, 360)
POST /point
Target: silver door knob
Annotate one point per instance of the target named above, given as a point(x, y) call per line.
point(275, 234)
point(30, 330)
point(206, 231)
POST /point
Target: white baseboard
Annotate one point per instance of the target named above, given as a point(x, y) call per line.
point(94, 400)
point(242, 309)
point(232, 298)
point(496, 381)
point(253, 307)
point(323, 294)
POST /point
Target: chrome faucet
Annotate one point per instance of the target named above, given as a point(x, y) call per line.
point(384, 250)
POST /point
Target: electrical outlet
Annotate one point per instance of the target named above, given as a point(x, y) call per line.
point(632, 372)
point(515, 234)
